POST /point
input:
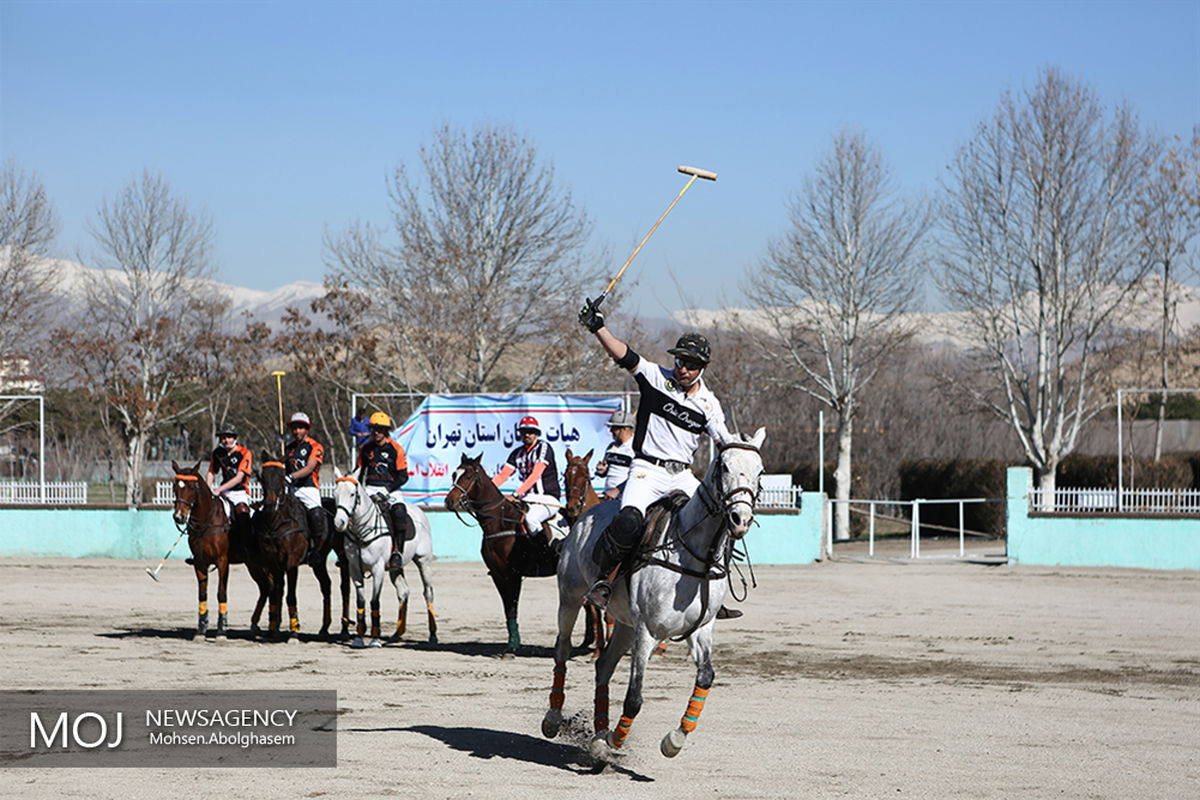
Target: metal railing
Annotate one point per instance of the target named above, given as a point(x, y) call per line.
point(914, 525)
point(779, 497)
point(1139, 501)
point(56, 493)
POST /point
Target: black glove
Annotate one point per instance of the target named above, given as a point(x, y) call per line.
point(590, 316)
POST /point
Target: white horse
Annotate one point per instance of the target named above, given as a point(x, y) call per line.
point(677, 591)
point(367, 548)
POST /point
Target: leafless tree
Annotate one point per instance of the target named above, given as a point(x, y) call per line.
point(833, 290)
point(487, 270)
point(1168, 218)
point(144, 309)
point(1040, 253)
point(27, 227)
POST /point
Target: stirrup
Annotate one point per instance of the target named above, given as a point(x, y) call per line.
point(728, 613)
point(395, 560)
point(599, 594)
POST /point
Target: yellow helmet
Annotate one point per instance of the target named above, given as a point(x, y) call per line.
point(381, 419)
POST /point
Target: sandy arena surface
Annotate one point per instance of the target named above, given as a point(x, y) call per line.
point(844, 679)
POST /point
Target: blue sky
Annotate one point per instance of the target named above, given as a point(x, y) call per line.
point(282, 119)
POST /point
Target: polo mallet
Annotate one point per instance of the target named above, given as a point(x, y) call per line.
point(278, 375)
point(695, 172)
point(154, 574)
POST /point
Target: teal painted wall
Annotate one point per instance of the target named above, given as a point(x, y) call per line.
point(1146, 542)
point(778, 538)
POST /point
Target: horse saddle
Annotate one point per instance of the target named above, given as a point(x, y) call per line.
point(657, 516)
point(385, 509)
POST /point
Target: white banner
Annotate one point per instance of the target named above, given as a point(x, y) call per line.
point(445, 426)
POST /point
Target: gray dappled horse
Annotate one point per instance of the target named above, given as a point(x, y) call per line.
point(676, 590)
point(368, 545)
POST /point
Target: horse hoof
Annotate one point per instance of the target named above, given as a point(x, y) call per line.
point(358, 643)
point(599, 746)
point(551, 723)
point(672, 743)
point(433, 638)
point(199, 636)
point(376, 643)
point(508, 655)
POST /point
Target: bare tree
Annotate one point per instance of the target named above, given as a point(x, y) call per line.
point(487, 270)
point(27, 227)
point(137, 341)
point(834, 288)
point(1041, 254)
point(1168, 218)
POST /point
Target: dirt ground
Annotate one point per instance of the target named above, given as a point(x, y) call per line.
point(852, 678)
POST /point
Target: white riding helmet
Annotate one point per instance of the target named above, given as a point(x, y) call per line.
point(620, 419)
point(300, 418)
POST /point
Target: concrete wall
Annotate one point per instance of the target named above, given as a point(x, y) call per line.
point(1094, 540)
point(778, 538)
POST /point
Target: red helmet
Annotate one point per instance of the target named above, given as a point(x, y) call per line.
point(529, 424)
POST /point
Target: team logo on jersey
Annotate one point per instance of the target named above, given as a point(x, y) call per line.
point(640, 475)
point(671, 385)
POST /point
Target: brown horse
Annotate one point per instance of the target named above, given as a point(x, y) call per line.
point(509, 557)
point(208, 528)
point(577, 484)
point(281, 543)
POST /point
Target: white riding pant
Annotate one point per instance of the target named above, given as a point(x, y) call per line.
point(541, 508)
point(236, 496)
point(649, 482)
point(309, 495)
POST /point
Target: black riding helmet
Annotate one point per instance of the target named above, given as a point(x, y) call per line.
point(694, 346)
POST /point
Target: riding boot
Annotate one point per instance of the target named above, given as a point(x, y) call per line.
point(552, 541)
point(611, 548)
point(399, 517)
point(316, 535)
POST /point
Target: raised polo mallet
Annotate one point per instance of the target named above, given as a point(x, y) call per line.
point(154, 574)
point(695, 172)
point(278, 375)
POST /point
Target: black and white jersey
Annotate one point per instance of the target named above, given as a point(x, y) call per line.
point(523, 459)
point(669, 422)
point(618, 457)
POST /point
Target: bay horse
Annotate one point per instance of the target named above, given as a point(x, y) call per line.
point(675, 588)
point(508, 555)
point(204, 518)
point(580, 496)
point(280, 529)
point(367, 544)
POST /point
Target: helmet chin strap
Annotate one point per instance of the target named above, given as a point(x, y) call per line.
point(693, 383)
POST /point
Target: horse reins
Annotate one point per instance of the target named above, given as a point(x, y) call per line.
point(478, 509)
point(378, 530)
point(188, 527)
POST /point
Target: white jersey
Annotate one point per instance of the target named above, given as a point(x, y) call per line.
point(618, 457)
point(669, 422)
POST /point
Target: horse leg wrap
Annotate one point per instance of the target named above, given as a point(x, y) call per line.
point(694, 707)
point(402, 620)
point(600, 709)
point(375, 623)
point(621, 732)
point(514, 634)
point(293, 620)
point(203, 608)
point(558, 689)
point(222, 608)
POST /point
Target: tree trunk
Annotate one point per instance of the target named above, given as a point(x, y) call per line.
point(841, 476)
point(1047, 481)
point(135, 468)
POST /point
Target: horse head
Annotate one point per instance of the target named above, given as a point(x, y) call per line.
point(738, 468)
point(577, 481)
point(271, 476)
point(467, 485)
point(190, 490)
point(347, 494)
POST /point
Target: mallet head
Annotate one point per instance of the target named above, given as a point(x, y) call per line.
point(699, 173)
point(151, 574)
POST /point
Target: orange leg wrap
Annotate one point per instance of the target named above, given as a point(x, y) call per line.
point(557, 691)
point(600, 714)
point(222, 608)
point(694, 707)
point(203, 608)
point(621, 732)
point(293, 620)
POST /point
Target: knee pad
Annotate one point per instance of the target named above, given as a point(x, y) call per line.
point(316, 523)
point(399, 519)
point(620, 536)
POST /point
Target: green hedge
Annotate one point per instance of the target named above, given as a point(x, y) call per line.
point(930, 479)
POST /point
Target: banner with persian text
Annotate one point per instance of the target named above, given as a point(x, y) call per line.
point(446, 426)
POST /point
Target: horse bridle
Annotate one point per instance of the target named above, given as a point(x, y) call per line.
point(188, 526)
point(725, 503)
point(474, 507)
point(575, 508)
point(350, 512)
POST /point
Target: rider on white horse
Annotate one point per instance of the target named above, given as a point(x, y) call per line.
point(675, 407)
point(383, 469)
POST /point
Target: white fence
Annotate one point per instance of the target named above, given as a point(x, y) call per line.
point(58, 493)
point(914, 526)
point(778, 497)
point(164, 494)
point(1138, 501)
